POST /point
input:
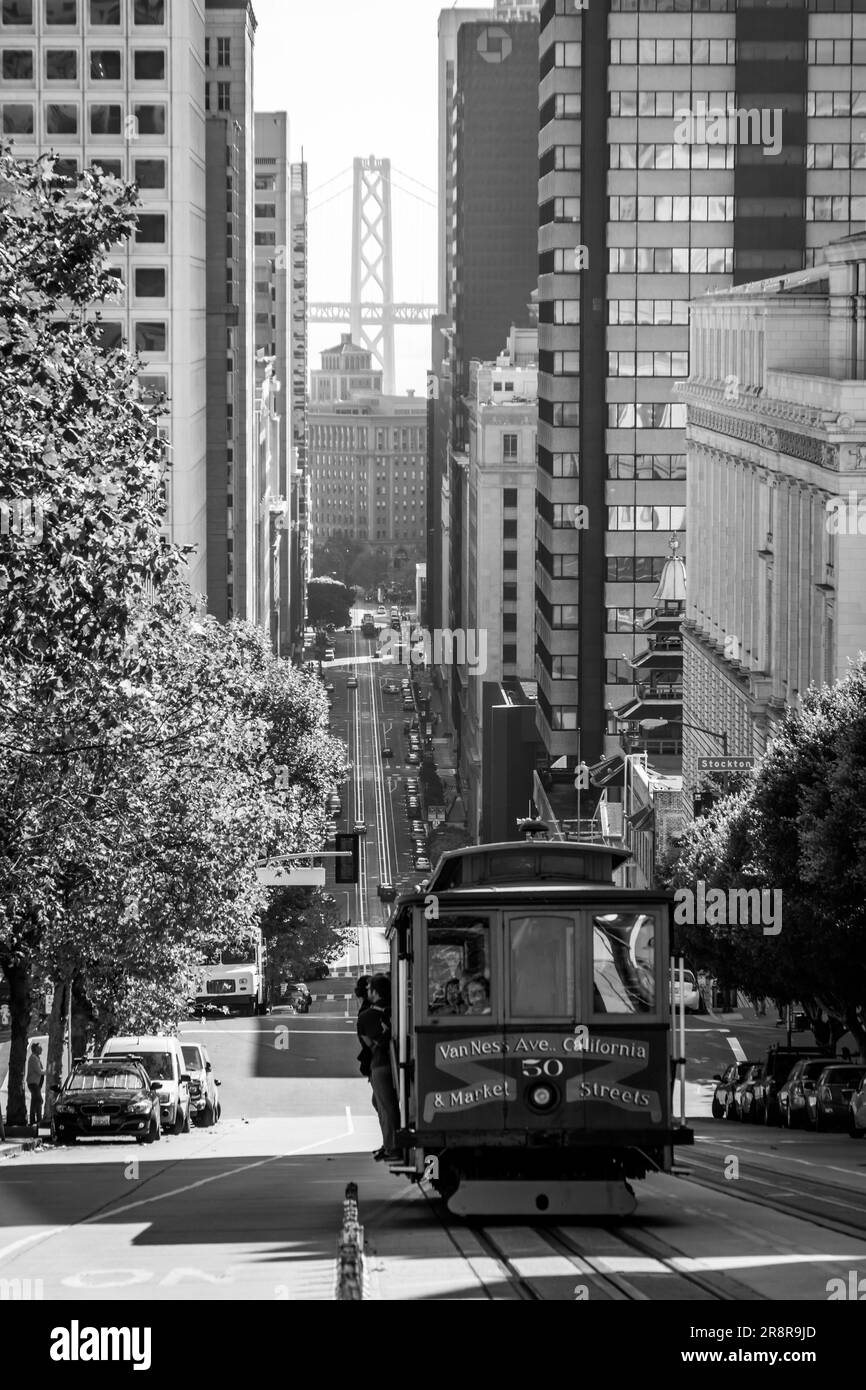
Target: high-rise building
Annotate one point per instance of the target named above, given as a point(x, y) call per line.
point(301, 558)
point(367, 462)
point(680, 152)
point(272, 214)
point(488, 239)
point(232, 505)
point(776, 514)
point(120, 83)
point(497, 637)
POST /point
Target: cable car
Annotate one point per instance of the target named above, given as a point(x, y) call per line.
point(531, 1029)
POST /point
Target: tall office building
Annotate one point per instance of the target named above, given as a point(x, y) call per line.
point(498, 529)
point(120, 83)
point(301, 557)
point(488, 234)
point(272, 213)
point(367, 461)
point(641, 210)
point(232, 506)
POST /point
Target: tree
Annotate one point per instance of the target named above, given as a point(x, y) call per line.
point(797, 827)
point(329, 601)
point(305, 931)
point(337, 556)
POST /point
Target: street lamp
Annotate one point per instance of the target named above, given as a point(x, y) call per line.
point(695, 728)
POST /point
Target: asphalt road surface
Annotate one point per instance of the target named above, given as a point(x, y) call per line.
point(251, 1208)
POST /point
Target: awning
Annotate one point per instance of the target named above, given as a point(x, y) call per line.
point(669, 710)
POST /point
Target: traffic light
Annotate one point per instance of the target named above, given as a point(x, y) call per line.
point(346, 870)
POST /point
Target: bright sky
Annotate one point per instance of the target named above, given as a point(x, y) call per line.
point(360, 79)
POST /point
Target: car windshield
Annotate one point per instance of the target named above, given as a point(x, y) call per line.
point(192, 1058)
point(105, 1079)
point(842, 1076)
point(158, 1065)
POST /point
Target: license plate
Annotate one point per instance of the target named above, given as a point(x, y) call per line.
point(100, 1120)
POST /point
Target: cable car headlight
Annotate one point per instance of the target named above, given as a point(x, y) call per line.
point(543, 1096)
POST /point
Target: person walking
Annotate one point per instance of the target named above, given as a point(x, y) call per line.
point(375, 1032)
point(35, 1082)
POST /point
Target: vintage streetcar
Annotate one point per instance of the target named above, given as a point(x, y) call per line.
point(532, 1031)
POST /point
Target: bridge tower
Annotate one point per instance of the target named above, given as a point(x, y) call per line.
point(372, 265)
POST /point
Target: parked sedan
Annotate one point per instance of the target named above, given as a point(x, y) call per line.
point(830, 1101)
point(724, 1092)
point(106, 1097)
point(417, 827)
point(794, 1093)
point(422, 862)
point(413, 759)
point(857, 1112)
point(744, 1103)
point(204, 1103)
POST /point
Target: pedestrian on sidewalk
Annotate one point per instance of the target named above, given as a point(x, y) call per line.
point(375, 1031)
point(35, 1082)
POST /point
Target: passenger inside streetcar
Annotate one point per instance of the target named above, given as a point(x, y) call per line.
point(477, 996)
point(452, 1002)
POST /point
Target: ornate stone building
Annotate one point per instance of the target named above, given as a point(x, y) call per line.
point(776, 433)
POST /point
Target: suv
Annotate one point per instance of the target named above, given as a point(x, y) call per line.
point(204, 1102)
point(779, 1063)
point(163, 1061)
point(298, 996)
point(103, 1098)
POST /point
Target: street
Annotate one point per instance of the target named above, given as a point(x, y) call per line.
point(251, 1209)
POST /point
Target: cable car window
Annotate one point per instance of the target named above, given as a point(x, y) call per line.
point(623, 963)
point(458, 966)
point(541, 966)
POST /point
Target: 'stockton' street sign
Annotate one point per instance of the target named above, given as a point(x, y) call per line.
point(723, 764)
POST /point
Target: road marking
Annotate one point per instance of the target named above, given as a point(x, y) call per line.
point(349, 1121)
point(807, 1162)
point(26, 1240)
point(736, 1048)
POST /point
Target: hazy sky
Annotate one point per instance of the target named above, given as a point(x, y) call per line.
point(360, 79)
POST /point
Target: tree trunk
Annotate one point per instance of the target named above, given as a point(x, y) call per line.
point(18, 977)
point(56, 1031)
point(857, 1027)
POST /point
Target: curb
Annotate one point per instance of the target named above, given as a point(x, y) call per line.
point(11, 1148)
point(350, 1251)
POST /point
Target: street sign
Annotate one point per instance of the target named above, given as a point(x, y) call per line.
point(725, 764)
point(283, 876)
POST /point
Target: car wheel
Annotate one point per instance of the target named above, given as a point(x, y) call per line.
point(731, 1112)
point(718, 1110)
point(186, 1124)
point(789, 1121)
point(853, 1131)
point(218, 1114)
point(208, 1116)
point(177, 1127)
point(152, 1133)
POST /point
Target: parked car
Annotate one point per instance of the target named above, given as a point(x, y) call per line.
point(419, 826)
point(298, 996)
point(352, 683)
point(792, 1096)
point(422, 862)
point(387, 752)
point(163, 1061)
point(778, 1065)
point(726, 1083)
point(743, 1101)
point(691, 995)
point(359, 827)
point(106, 1098)
point(413, 760)
point(387, 892)
point(831, 1098)
point(412, 784)
point(204, 1101)
point(329, 687)
point(857, 1112)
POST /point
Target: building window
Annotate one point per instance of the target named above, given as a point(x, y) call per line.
point(509, 497)
point(112, 167)
point(150, 284)
point(266, 238)
point(566, 465)
point(105, 13)
point(509, 560)
point(509, 448)
point(149, 12)
point(628, 619)
point(17, 65)
point(150, 337)
point(150, 228)
point(266, 209)
point(565, 615)
point(509, 654)
point(566, 55)
point(67, 169)
point(224, 53)
point(61, 120)
point(224, 96)
point(563, 717)
point(150, 120)
point(18, 12)
point(564, 668)
point(509, 622)
point(509, 593)
point(17, 119)
point(207, 53)
point(150, 173)
point(565, 414)
point(61, 11)
point(109, 336)
point(106, 120)
point(149, 65)
point(61, 65)
point(105, 65)
point(567, 157)
point(509, 530)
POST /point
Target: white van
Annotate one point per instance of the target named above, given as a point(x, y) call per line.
point(163, 1060)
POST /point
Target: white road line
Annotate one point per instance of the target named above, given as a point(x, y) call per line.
point(27, 1240)
point(736, 1047)
point(349, 1121)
